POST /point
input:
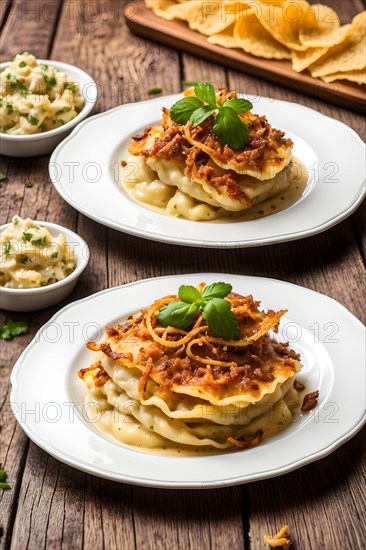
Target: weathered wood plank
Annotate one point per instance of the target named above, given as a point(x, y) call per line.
point(4, 9)
point(322, 503)
point(21, 28)
point(29, 26)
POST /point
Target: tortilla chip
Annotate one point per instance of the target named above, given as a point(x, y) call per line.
point(161, 8)
point(211, 17)
point(284, 22)
point(326, 31)
point(303, 60)
point(353, 76)
point(348, 56)
point(225, 38)
point(256, 40)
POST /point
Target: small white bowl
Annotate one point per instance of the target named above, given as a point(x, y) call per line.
point(45, 142)
point(33, 299)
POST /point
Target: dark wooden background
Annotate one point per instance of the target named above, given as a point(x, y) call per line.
point(54, 506)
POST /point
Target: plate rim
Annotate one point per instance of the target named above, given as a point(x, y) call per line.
point(199, 243)
point(146, 482)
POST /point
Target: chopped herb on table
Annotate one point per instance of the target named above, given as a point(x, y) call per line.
point(28, 183)
point(13, 328)
point(3, 477)
point(154, 91)
point(3, 176)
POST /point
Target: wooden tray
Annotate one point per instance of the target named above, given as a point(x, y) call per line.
point(177, 34)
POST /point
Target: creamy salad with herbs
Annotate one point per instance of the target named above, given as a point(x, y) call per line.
point(31, 257)
point(35, 97)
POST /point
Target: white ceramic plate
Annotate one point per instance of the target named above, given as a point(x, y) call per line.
point(47, 395)
point(85, 169)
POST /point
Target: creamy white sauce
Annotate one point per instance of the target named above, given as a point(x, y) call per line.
point(167, 190)
point(126, 430)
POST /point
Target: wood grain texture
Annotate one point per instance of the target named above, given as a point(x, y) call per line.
point(56, 507)
point(176, 33)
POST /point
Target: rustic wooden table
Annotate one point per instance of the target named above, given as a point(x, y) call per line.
point(54, 506)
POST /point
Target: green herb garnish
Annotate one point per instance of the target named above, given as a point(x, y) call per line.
point(8, 76)
point(33, 120)
point(7, 248)
point(187, 83)
point(24, 260)
point(65, 110)
point(55, 254)
point(12, 328)
point(154, 91)
point(216, 311)
point(50, 82)
point(44, 67)
point(228, 127)
point(3, 477)
point(39, 242)
point(21, 86)
point(3, 176)
point(71, 87)
point(28, 183)
point(22, 64)
point(27, 236)
point(60, 122)
point(9, 108)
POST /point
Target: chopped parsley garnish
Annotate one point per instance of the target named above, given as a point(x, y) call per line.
point(33, 120)
point(154, 91)
point(15, 221)
point(39, 242)
point(50, 82)
point(21, 85)
point(186, 83)
point(228, 127)
point(65, 110)
point(9, 108)
point(180, 216)
point(55, 254)
point(27, 236)
point(12, 328)
point(3, 176)
point(8, 76)
point(24, 260)
point(60, 122)
point(7, 248)
point(22, 64)
point(28, 183)
point(71, 87)
point(151, 427)
point(3, 477)
point(216, 311)
point(44, 67)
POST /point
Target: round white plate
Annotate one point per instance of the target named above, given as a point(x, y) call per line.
point(85, 169)
point(47, 396)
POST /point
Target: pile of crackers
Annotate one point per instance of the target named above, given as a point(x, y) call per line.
point(311, 36)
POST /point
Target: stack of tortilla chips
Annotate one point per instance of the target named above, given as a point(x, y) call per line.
point(310, 35)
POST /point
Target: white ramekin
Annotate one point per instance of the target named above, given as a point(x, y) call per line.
point(45, 142)
point(33, 299)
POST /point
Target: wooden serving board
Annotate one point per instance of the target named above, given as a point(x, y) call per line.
point(177, 34)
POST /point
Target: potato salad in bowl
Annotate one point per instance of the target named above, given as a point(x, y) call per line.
point(36, 97)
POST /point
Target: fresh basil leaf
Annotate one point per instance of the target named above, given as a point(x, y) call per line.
point(189, 294)
point(239, 105)
point(205, 92)
point(230, 129)
point(216, 290)
point(12, 328)
point(221, 319)
point(178, 314)
point(181, 111)
point(200, 115)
